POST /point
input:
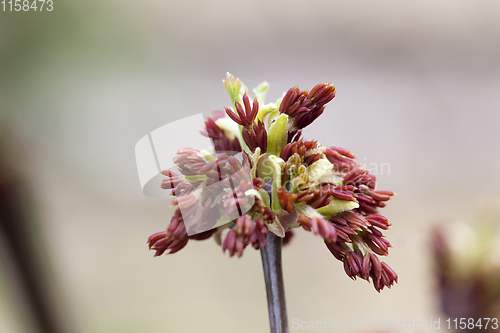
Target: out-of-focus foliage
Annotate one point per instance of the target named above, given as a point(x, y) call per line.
point(467, 267)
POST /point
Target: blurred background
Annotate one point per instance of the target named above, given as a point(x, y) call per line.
point(417, 89)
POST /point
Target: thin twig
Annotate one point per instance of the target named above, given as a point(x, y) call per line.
point(273, 275)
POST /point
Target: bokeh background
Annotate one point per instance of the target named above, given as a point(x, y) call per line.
point(417, 89)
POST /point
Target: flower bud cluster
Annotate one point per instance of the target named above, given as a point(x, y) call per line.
point(292, 183)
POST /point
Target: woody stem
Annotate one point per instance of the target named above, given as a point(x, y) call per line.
point(273, 276)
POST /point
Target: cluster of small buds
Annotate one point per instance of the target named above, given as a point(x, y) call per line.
point(221, 141)
point(369, 266)
point(175, 237)
point(292, 182)
point(254, 133)
point(246, 231)
point(303, 107)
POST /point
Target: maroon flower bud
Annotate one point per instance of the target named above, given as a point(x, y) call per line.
point(286, 200)
point(301, 147)
point(255, 136)
point(221, 141)
point(322, 94)
point(336, 249)
point(245, 232)
point(319, 226)
point(377, 244)
point(387, 278)
point(357, 176)
point(349, 270)
point(304, 107)
point(381, 195)
point(355, 220)
point(289, 235)
point(378, 221)
point(365, 267)
point(376, 267)
point(258, 238)
point(343, 193)
point(244, 117)
point(320, 199)
point(340, 162)
point(173, 239)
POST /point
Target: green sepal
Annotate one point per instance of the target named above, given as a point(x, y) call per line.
point(277, 135)
point(265, 197)
point(233, 87)
point(196, 178)
point(260, 92)
point(269, 167)
point(318, 169)
point(254, 158)
point(337, 206)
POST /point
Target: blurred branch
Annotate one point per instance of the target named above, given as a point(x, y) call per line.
point(16, 224)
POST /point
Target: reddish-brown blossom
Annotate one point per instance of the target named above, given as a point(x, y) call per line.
point(222, 143)
point(319, 226)
point(387, 278)
point(245, 117)
point(303, 106)
point(353, 227)
point(244, 232)
point(258, 237)
point(322, 190)
point(263, 212)
point(173, 239)
point(342, 159)
point(318, 198)
point(358, 176)
point(355, 221)
point(365, 266)
point(378, 221)
point(288, 237)
point(302, 148)
point(345, 192)
point(286, 200)
point(255, 135)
